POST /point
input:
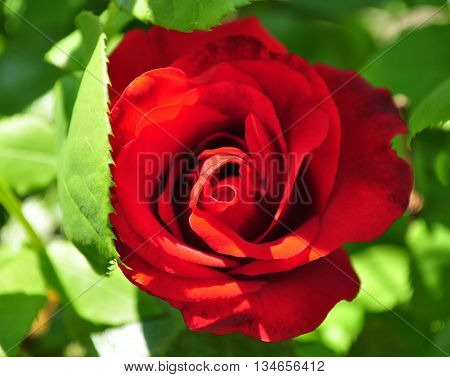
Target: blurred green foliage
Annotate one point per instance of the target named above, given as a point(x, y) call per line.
point(52, 302)
point(28, 28)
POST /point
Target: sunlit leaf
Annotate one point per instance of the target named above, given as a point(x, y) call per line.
point(67, 53)
point(27, 153)
point(107, 300)
point(65, 93)
point(22, 295)
point(84, 177)
point(431, 250)
point(433, 111)
point(91, 29)
point(73, 51)
point(183, 15)
point(41, 215)
point(342, 326)
point(385, 277)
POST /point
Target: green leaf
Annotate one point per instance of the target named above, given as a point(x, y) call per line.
point(414, 65)
point(41, 107)
point(431, 251)
point(84, 176)
point(346, 44)
point(27, 153)
point(65, 93)
point(433, 111)
point(149, 338)
point(442, 167)
point(342, 326)
point(114, 20)
point(74, 50)
point(67, 53)
point(91, 29)
point(103, 300)
point(20, 273)
point(22, 295)
point(384, 273)
point(32, 221)
point(431, 174)
point(183, 15)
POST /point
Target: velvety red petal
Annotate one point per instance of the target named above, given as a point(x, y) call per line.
point(261, 267)
point(237, 101)
point(142, 50)
point(296, 92)
point(171, 287)
point(137, 53)
point(302, 139)
point(372, 185)
point(288, 89)
point(154, 255)
point(165, 205)
point(224, 72)
point(179, 128)
point(175, 44)
point(227, 49)
point(224, 240)
point(220, 138)
point(139, 215)
point(269, 157)
point(291, 304)
point(324, 163)
point(159, 87)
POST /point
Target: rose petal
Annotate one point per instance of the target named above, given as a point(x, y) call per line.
point(129, 186)
point(219, 51)
point(142, 50)
point(261, 267)
point(168, 286)
point(224, 240)
point(225, 72)
point(155, 88)
point(296, 92)
point(155, 256)
point(372, 186)
point(291, 304)
point(302, 139)
point(268, 159)
point(288, 89)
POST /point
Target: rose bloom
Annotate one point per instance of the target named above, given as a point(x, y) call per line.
point(240, 170)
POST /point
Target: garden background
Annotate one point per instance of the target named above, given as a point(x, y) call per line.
point(53, 303)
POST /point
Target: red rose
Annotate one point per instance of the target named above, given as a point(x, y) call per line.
point(240, 170)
